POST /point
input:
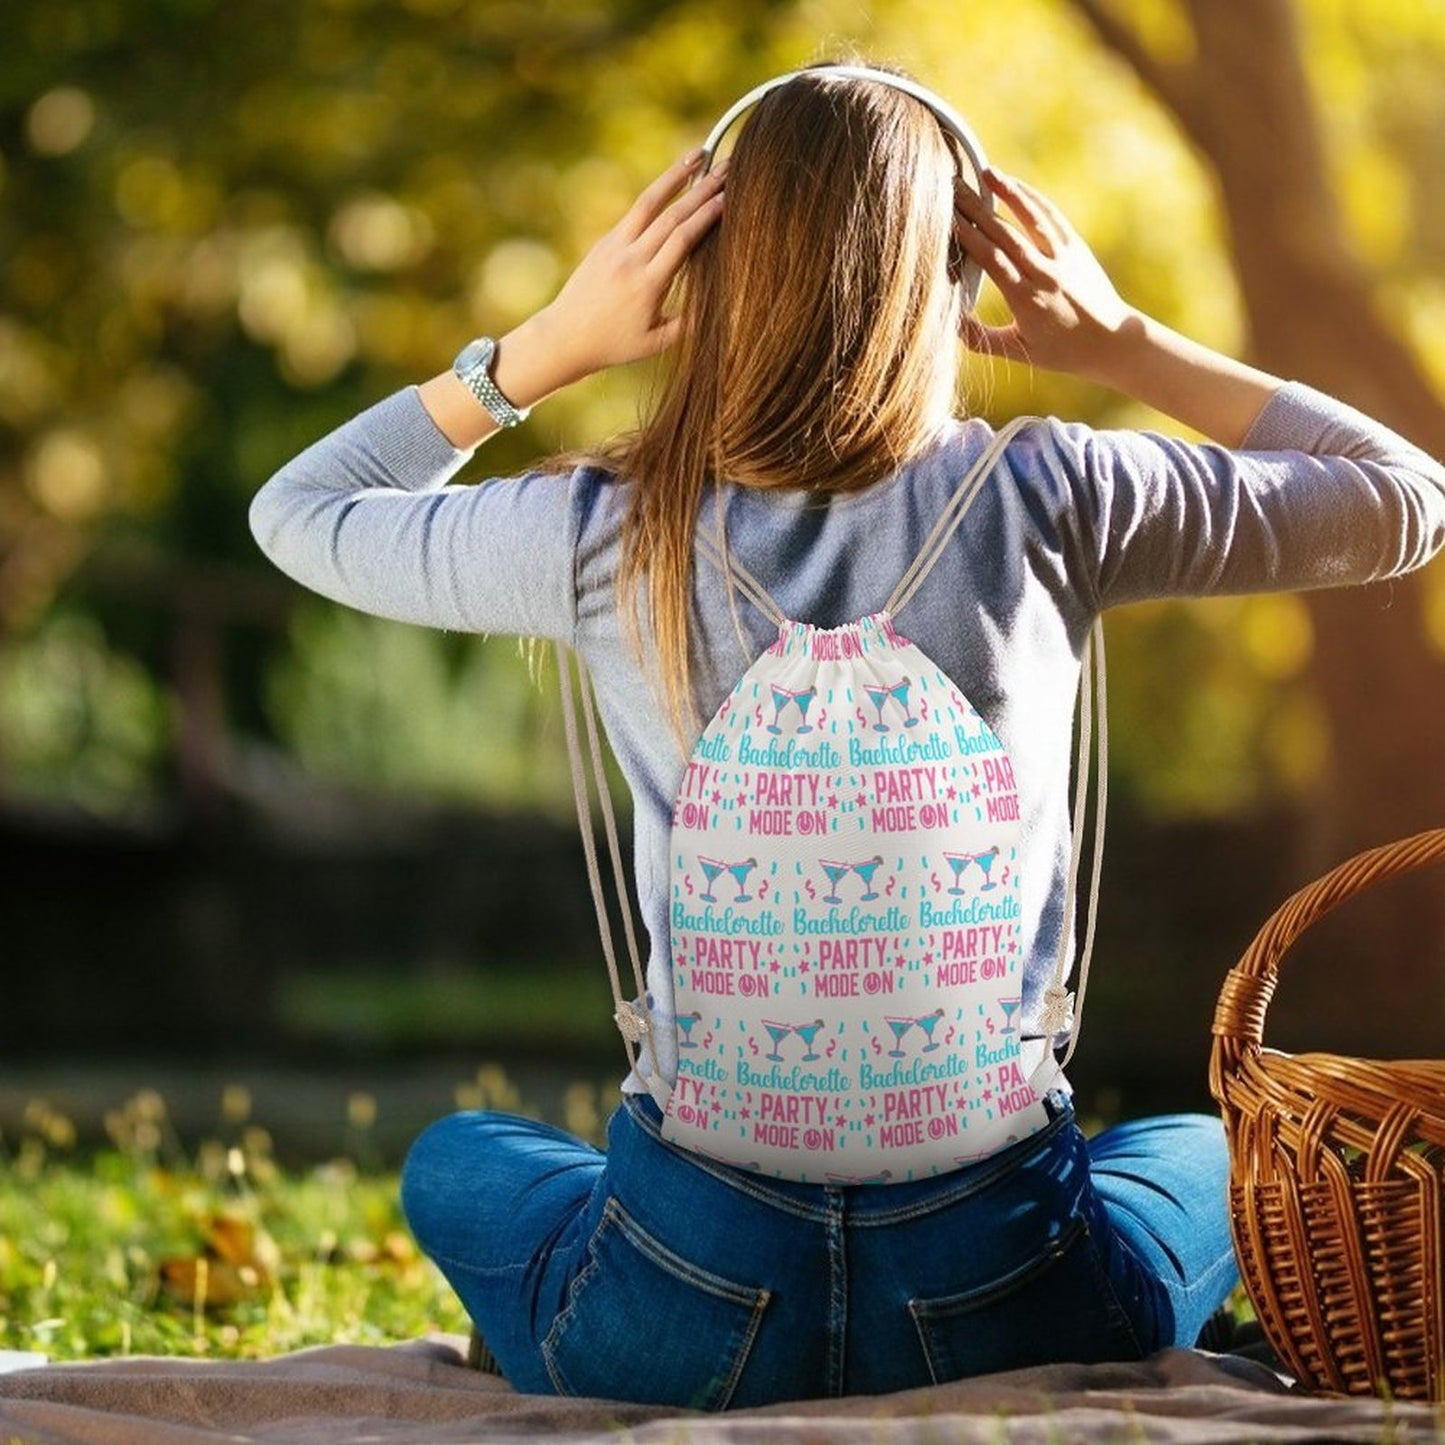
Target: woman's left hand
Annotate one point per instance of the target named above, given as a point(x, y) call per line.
point(1067, 316)
point(610, 310)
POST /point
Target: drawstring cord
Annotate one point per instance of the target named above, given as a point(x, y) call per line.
point(1062, 1011)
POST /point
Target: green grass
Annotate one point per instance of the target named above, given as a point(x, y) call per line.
point(217, 1251)
point(147, 1246)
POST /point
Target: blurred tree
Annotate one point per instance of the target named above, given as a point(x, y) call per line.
point(1240, 92)
point(226, 228)
point(1233, 73)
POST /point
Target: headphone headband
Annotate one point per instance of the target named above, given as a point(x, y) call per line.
point(945, 114)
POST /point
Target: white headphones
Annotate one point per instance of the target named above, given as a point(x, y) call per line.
point(971, 278)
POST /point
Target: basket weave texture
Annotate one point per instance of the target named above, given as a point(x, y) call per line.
point(1336, 1173)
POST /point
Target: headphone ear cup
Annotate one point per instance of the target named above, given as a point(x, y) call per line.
point(965, 273)
point(970, 281)
point(969, 274)
point(957, 258)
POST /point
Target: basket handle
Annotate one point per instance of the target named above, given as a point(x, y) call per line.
point(1249, 985)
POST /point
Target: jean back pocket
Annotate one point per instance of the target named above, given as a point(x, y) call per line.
point(1057, 1306)
point(642, 1323)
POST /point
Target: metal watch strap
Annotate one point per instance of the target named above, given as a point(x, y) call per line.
point(477, 378)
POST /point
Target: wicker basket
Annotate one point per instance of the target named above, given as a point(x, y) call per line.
point(1336, 1174)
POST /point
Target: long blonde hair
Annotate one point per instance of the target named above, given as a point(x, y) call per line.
point(820, 342)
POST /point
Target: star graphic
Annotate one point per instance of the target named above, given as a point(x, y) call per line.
point(951, 794)
point(861, 801)
point(832, 800)
point(745, 1113)
point(841, 1122)
point(804, 966)
point(716, 1107)
point(717, 795)
point(928, 958)
point(776, 966)
point(900, 961)
point(742, 800)
point(988, 1094)
point(869, 1120)
point(976, 790)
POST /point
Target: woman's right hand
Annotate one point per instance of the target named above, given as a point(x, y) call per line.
point(610, 309)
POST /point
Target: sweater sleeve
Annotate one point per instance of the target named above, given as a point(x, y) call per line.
point(367, 517)
point(1319, 496)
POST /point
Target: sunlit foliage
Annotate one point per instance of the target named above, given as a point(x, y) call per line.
point(225, 228)
point(156, 1244)
point(147, 1248)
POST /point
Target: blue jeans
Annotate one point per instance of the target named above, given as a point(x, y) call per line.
point(649, 1273)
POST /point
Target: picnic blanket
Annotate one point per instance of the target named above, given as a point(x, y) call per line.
point(423, 1391)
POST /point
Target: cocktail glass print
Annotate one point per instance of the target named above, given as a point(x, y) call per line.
point(782, 696)
point(986, 862)
point(900, 1026)
point(740, 873)
point(804, 699)
point(777, 1032)
point(899, 693)
point(929, 1022)
point(785, 696)
point(712, 870)
point(687, 1022)
point(1010, 1007)
point(878, 696)
point(809, 1032)
point(959, 863)
point(836, 873)
point(865, 871)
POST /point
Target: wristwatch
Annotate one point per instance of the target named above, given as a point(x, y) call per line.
point(473, 367)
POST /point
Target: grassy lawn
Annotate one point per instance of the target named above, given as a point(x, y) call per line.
point(147, 1247)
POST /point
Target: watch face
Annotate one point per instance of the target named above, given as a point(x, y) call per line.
point(471, 354)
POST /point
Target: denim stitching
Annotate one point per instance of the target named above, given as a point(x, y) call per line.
point(755, 1299)
point(674, 1264)
point(1116, 1305)
point(549, 1344)
point(969, 1300)
point(837, 1293)
point(1205, 1280)
point(922, 1334)
point(926, 1311)
point(745, 1348)
point(446, 1263)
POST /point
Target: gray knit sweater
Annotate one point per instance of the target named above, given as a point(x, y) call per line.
point(1072, 521)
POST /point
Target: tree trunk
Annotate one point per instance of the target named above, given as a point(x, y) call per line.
point(1245, 103)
